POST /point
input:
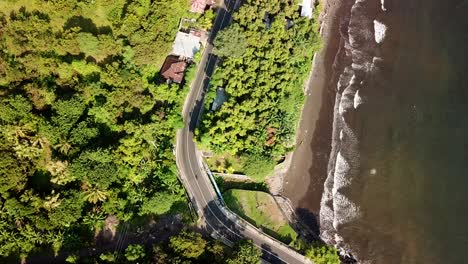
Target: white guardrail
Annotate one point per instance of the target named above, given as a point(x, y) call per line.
point(239, 221)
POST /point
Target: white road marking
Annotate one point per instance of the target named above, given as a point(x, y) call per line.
point(219, 220)
point(211, 191)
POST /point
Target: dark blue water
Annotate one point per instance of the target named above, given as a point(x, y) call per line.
point(397, 190)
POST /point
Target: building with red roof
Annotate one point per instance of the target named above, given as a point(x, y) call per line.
point(173, 69)
point(198, 6)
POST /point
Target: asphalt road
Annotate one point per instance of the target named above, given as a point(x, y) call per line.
point(217, 219)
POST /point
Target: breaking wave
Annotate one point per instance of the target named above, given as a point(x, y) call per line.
point(396, 181)
point(359, 60)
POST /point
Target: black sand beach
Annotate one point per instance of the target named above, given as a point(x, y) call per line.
point(308, 170)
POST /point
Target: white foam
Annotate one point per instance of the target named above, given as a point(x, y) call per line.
point(383, 5)
point(357, 100)
point(379, 29)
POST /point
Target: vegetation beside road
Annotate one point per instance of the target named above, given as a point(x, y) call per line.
point(323, 254)
point(86, 128)
point(260, 209)
point(186, 247)
point(266, 57)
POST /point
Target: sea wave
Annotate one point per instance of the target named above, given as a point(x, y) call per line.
point(358, 60)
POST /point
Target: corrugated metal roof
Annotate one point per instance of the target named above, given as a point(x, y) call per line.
point(306, 8)
point(186, 45)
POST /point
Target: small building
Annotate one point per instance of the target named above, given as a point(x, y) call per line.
point(267, 20)
point(221, 97)
point(199, 6)
point(186, 45)
point(307, 8)
point(173, 69)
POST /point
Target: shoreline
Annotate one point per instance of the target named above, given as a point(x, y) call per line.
point(304, 178)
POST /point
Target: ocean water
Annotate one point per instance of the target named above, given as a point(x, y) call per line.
point(397, 183)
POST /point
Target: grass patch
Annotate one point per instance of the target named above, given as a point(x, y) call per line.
point(257, 168)
point(260, 209)
point(226, 163)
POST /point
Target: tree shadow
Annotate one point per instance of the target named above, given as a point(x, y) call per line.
point(22, 12)
point(285, 239)
point(222, 225)
point(310, 220)
point(125, 8)
point(226, 185)
point(197, 111)
point(86, 25)
point(40, 182)
point(109, 60)
point(268, 255)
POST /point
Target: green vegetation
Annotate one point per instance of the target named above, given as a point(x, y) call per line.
point(225, 163)
point(206, 20)
point(188, 244)
point(246, 253)
point(256, 167)
point(231, 42)
point(266, 57)
point(87, 129)
point(225, 185)
point(134, 252)
point(260, 209)
point(323, 254)
point(185, 247)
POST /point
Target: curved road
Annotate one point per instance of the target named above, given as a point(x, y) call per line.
point(218, 220)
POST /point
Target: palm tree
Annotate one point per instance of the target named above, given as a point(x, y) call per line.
point(51, 202)
point(41, 141)
point(59, 171)
point(94, 195)
point(63, 147)
point(95, 221)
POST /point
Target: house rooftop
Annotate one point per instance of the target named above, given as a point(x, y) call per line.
point(198, 6)
point(186, 45)
point(173, 69)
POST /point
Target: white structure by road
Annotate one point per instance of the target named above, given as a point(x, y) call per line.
point(307, 8)
point(186, 45)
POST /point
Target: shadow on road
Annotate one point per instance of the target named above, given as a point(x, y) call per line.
point(197, 111)
point(223, 225)
point(269, 256)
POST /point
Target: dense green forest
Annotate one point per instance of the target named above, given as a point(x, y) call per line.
point(87, 130)
point(266, 57)
point(185, 247)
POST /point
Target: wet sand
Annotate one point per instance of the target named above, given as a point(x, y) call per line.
point(304, 180)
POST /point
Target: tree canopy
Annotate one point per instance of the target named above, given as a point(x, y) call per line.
point(245, 253)
point(323, 254)
point(266, 57)
point(87, 129)
point(230, 42)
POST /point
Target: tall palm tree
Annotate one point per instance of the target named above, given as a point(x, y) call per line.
point(95, 195)
point(63, 147)
point(51, 202)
